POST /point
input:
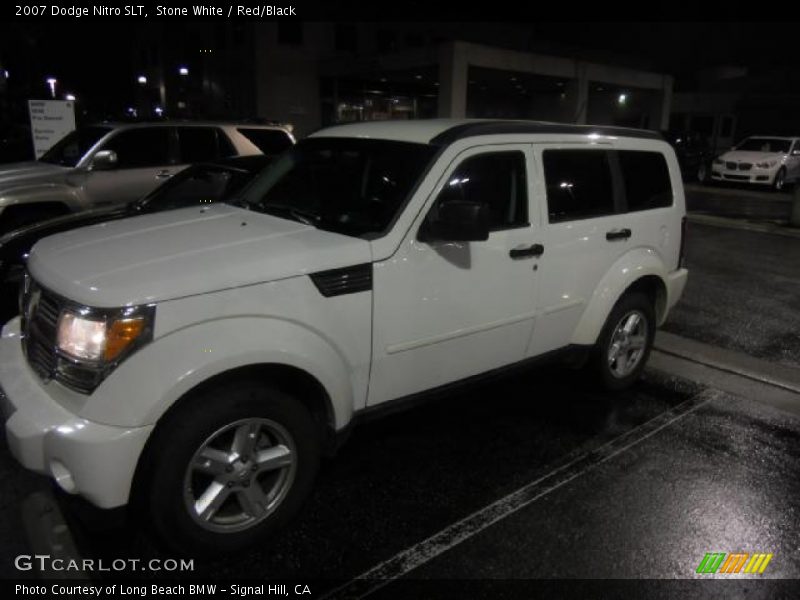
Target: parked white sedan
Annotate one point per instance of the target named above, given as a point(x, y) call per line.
point(763, 160)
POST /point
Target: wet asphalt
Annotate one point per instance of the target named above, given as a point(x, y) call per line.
point(738, 201)
point(743, 293)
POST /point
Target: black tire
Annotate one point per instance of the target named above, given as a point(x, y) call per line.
point(603, 371)
point(779, 183)
point(161, 486)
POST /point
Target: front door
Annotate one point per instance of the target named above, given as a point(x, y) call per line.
point(444, 311)
point(145, 160)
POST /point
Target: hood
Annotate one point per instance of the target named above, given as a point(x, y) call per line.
point(184, 252)
point(750, 156)
point(17, 243)
point(26, 173)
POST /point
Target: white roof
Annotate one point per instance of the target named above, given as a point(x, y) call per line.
point(420, 131)
point(444, 131)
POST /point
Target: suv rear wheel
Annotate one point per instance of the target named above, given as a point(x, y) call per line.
point(228, 468)
point(624, 343)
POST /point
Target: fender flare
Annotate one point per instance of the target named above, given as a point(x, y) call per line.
point(176, 363)
point(633, 266)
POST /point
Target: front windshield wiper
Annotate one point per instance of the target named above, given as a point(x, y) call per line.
point(284, 210)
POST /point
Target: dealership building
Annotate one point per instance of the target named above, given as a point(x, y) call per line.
point(317, 74)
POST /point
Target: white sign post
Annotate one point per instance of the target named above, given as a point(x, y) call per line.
point(51, 120)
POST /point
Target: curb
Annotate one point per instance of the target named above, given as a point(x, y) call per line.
point(756, 369)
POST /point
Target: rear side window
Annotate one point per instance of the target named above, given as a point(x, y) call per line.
point(646, 177)
point(498, 179)
point(199, 144)
point(269, 141)
point(141, 147)
point(578, 184)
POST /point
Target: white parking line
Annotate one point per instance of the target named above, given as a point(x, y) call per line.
point(428, 549)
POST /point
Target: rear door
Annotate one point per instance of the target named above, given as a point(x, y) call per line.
point(600, 203)
point(582, 206)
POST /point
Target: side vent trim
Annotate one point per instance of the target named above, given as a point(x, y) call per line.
point(349, 280)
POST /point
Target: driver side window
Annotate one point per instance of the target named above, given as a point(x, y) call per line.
point(497, 180)
point(141, 147)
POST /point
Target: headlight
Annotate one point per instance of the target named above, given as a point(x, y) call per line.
point(767, 164)
point(96, 340)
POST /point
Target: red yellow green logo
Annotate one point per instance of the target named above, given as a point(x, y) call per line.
point(738, 562)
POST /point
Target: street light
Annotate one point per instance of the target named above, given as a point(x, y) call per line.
point(623, 98)
point(142, 79)
point(70, 97)
point(183, 71)
point(51, 82)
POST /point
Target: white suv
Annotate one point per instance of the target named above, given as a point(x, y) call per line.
point(197, 362)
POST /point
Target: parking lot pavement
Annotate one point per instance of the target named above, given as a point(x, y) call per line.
point(725, 478)
point(739, 201)
point(743, 293)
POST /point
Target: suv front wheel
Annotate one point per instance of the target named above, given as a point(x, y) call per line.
point(228, 468)
point(625, 342)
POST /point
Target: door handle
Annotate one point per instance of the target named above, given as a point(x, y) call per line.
point(618, 234)
point(526, 252)
point(164, 174)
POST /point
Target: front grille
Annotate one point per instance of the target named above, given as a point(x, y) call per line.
point(731, 165)
point(40, 311)
point(745, 166)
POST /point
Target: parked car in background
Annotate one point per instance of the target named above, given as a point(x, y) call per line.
point(693, 153)
point(762, 160)
point(197, 363)
point(113, 164)
point(199, 184)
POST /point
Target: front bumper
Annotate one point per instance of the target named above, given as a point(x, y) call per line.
point(754, 175)
point(94, 460)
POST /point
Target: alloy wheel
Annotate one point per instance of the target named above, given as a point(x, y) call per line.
point(240, 475)
point(628, 344)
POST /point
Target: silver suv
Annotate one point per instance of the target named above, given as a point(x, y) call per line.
point(110, 164)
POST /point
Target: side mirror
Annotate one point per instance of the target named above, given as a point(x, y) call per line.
point(457, 221)
point(104, 160)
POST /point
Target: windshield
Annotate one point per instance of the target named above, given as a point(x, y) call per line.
point(762, 144)
point(352, 186)
point(198, 184)
point(72, 147)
